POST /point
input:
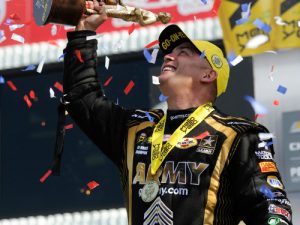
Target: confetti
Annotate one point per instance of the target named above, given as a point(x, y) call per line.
point(202, 135)
point(261, 25)
point(2, 36)
point(147, 55)
point(236, 60)
point(41, 65)
point(204, 2)
point(281, 89)
point(32, 95)
point(92, 185)
point(69, 126)
point(2, 80)
point(278, 21)
point(267, 192)
point(269, 143)
point(107, 60)
point(53, 30)
point(151, 44)
point(162, 98)
point(11, 85)
point(129, 87)
point(271, 51)
point(299, 23)
point(131, 28)
point(257, 41)
point(45, 176)
point(108, 81)
point(15, 26)
point(154, 55)
point(14, 16)
point(257, 107)
point(78, 56)
point(52, 93)
point(61, 57)
point(155, 80)
point(149, 117)
point(27, 100)
point(262, 144)
point(202, 55)
point(265, 136)
point(59, 86)
point(241, 21)
point(94, 37)
point(276, 102)
point(43, 123)
point(29, 68)
point(18, 38)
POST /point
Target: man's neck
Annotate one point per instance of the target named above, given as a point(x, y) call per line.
point(181, 103)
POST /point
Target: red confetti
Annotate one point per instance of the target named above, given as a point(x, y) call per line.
point(27, 100)
point(152, 44)
point(59, 86)
point(108, 81)
point(258, 115)
point(78, 55)
point(202, 135)
point(129, 87)
point(32, 94)
point(11, 85)
point(14, 16)
point(45, 176)
point(276, 102)
point(69, 126)
point(92, 185)
point(131, 28)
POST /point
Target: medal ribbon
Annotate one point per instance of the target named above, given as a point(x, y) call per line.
point(159, 151)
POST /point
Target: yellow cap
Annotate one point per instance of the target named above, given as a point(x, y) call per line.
point(172, 36)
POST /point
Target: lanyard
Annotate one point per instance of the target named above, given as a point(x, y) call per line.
point(159, 151)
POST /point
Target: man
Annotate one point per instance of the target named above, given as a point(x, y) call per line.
point(190, 165)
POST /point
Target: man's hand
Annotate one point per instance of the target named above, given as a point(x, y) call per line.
point(92, 22)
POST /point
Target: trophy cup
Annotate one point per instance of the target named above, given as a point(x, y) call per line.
point(69, 12)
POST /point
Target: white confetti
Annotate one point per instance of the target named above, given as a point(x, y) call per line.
point(41, 65)
point(155, 80)
point(299, 23)
point(94, 37)
point(236, 60)
point(270, 51)
point(69, 28)
point(52, 93)
point(256, 41)
point(278, 21)
point(246, 14)
point(53, 30)
point(16, 26)
point(154, 55)
point(265, 136)
point(18, 38)
point(106, 62)
point(262, 144)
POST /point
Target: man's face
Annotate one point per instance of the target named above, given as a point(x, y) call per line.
point(183, 67)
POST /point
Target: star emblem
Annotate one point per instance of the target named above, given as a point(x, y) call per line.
point(208, 141)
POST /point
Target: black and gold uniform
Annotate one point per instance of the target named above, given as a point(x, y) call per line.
point(220, 173)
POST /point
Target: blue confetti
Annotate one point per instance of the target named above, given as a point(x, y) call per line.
point(204, 1)
point(257, 107)
point(149, 117)
point(61, 57)
point(202, 55)
point(269, 143)
point(263, 26)
point(267, 192)
point(281, 89)
point(147, 55)
point(2, 80)
point(244, 7)
point(30, 67)
point(162, 98)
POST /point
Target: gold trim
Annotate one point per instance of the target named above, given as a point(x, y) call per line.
point(130, 154)
point(219, 166)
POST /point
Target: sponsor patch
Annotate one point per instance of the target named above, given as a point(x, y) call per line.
point(273, 181)
point(266, 167)
point(279, 211)
point(208, 144)
point(263, 155)
point(187, 143)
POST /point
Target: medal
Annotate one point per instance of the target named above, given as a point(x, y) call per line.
point(150, 191)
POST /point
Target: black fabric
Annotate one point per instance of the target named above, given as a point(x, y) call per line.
point(217, 179)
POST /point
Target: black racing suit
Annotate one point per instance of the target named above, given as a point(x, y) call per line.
point(222, 178)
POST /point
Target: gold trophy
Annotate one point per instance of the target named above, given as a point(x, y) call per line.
point(69, 12)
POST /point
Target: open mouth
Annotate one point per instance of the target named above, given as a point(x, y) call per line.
point(168, 68)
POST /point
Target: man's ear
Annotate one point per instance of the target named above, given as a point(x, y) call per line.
point(209, 76)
